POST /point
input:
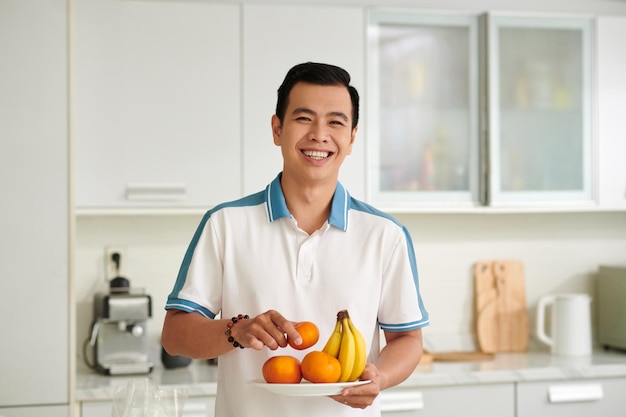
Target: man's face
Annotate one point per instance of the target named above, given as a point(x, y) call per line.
point(316, 133)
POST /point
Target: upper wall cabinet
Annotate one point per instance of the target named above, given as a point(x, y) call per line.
point(156, 104)
point(540, 110)
point(471, 110)
point(611, 64)
point(424, 109)
point(276, 37)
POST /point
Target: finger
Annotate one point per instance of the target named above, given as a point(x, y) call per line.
point(291, 333)
point(287, 327)
point(263, 329)
point(340, 399)
point(257, 336)
point(282, 329)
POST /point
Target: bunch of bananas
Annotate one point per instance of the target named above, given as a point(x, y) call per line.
point(346, 343)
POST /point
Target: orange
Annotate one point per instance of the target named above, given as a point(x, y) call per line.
point(320, 367)
point(282, 370)
point(310, 335)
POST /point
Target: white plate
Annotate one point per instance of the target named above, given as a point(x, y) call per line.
point(306, 388)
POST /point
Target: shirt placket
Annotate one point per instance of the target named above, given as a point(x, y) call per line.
point(307, 248)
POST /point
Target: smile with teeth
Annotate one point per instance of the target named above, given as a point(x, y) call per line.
point(319, 155)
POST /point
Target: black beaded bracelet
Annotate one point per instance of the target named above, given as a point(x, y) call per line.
point(230, 325)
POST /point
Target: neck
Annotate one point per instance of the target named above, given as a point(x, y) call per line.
point(309, 204)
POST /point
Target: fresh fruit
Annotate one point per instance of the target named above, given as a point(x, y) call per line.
point(282, 370)
point(346, 343)
point(309, 333)
point(334, 341)
point(360, 357)
point(320, 367)
point(347, 351)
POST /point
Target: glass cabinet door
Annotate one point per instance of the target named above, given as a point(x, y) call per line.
point(540, 142)
point(424, 109)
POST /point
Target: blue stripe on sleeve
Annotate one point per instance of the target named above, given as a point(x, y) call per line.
point(188, 306)
point(403, 327)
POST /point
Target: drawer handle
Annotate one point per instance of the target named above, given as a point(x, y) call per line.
point(401, 401)
point(156, 191)
point(195, 407)
point(575, 393)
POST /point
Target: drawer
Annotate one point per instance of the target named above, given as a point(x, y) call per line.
point(461, 400)
point(584, 398)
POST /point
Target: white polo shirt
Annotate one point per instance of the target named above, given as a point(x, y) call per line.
point(249, 256)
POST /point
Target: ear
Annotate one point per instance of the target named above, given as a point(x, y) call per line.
point(276, 129)
point(352, 138)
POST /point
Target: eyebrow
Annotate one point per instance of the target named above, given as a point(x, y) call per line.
point(306, 110)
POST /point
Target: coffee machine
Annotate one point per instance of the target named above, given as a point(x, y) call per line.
point(119, 330)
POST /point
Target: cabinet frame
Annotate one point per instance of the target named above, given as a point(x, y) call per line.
point(495, 195)
point(407, 199)
point(485, 177)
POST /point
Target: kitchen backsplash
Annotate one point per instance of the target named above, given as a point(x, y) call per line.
point(561, 252)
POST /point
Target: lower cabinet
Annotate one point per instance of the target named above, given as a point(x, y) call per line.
point(581, 398)
point(194, 407)
point(577, 398)
point(462, 400)
point(574, 398)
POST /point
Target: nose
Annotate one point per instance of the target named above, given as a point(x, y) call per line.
point(318, 133)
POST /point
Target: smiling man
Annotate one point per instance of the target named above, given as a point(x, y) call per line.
point(301, 250)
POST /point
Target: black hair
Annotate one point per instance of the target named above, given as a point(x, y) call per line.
point(320, 74)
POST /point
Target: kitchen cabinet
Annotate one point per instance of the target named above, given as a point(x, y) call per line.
point(193, 407)
point(156, 104)
point(466, 400)
point(470, 110)
point(540, 110)
point(592, 397)
point(611, 67)
point(35, 353)
point(424, 109)
point(275, 38)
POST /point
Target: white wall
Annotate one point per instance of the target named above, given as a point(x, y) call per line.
point(560, 251)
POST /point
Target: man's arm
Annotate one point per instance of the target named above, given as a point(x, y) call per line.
point(399, 358)
point(195, 336)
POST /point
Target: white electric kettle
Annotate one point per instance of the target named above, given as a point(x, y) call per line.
point(570, 324)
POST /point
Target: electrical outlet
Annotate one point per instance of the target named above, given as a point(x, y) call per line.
point(111, 268)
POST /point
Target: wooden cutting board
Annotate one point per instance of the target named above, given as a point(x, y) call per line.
point(500, 306)
point(454, 356)
point(461, 356)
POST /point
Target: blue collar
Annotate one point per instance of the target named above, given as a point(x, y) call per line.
point(277, 208)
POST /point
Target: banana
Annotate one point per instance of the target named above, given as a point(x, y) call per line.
point(347, 344)
point(360, 358)
point(334, 341)
point(347, 350)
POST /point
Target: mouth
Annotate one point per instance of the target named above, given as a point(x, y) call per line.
point(317, 155)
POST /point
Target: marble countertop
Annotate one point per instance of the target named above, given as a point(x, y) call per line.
point(519, 367)
point(199, 377)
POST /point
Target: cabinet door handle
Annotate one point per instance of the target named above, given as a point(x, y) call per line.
point(196, 407)
point(575, 392)
point(401, 401)
point(156, 191)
